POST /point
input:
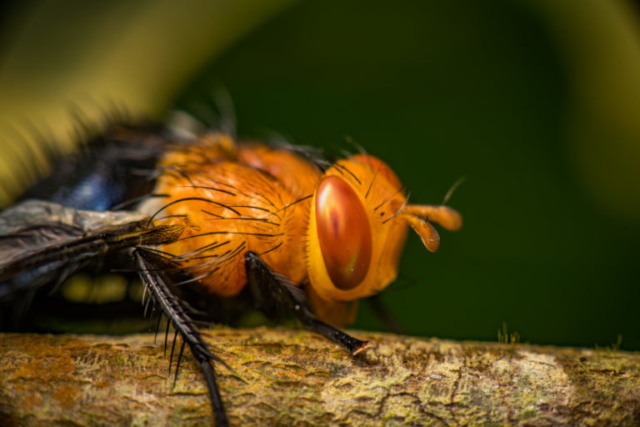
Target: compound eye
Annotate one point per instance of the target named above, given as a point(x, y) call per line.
point(344, 232)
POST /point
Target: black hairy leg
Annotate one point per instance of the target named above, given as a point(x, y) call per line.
point(182, 323)
point(276, 297)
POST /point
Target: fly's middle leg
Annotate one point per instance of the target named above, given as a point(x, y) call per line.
point(275, 295)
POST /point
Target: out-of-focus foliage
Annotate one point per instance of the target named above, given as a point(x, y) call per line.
point(77, 58)
point(536, 102)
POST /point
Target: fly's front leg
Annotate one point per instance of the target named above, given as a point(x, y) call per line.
point(149, 273)
point(275, 294)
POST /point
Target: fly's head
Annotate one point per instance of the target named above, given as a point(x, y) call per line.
point(357, 230)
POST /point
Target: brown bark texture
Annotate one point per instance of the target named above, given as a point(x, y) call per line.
point(293, 377)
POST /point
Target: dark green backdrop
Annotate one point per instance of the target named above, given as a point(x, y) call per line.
point(537, 103)
point(442, 90)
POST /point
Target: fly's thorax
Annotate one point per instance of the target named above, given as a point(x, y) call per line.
point(229, 207)
point(296, 179)
point(211, 147)
point(299, 177)
point(354, 238)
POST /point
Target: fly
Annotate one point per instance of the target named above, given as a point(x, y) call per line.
point(296, 235)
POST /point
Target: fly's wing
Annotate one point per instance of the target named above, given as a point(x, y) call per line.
point(40, 241)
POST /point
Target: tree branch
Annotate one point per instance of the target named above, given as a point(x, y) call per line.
point(294, 377)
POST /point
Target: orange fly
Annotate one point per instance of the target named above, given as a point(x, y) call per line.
point(306, 239)
point(338, 234)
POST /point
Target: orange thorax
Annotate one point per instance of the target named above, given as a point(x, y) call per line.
point(233, 200)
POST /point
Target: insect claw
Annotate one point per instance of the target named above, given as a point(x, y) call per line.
point(222, 362)
point(362, 347)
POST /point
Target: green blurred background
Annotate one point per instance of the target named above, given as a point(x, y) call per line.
point(537, 103)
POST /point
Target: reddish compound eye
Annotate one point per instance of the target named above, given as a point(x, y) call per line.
point(344, 232)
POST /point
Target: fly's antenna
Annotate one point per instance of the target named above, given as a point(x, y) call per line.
point(420, 217)
point(453, 188)
point(406, 202)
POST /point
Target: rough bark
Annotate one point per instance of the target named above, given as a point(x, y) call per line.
point(291, 377)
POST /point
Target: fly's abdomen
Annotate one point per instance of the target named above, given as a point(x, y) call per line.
point(106, 173)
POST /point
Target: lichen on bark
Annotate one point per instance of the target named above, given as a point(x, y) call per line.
point(292, 377)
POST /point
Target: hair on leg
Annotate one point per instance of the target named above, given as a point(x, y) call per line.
point(274, 294)
point(183, 325)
